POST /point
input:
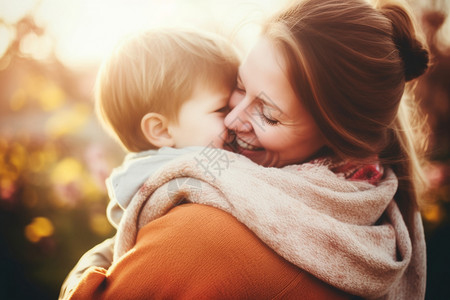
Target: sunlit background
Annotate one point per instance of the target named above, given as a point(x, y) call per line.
point(54, 157)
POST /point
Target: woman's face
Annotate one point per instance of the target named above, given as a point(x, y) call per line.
point(272, 126)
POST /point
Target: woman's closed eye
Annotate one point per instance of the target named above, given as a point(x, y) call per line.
point(265, 114)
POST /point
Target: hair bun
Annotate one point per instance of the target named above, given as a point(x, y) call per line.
point(415, 61)
point(412, 51)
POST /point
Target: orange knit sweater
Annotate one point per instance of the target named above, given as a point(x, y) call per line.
point(200, 252)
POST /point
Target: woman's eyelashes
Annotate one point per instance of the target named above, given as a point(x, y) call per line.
point(263, 110)
point(269, 121)
point(266, 116)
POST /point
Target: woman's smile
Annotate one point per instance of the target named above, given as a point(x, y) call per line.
point(270, 124)
point(246, 145)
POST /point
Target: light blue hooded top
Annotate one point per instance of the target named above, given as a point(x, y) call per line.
point(125, 180)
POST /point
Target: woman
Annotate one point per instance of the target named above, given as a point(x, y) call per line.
point(323, 86)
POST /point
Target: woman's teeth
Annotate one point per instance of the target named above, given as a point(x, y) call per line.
point(245, 145)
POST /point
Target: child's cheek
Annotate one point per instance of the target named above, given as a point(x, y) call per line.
point(220, 133)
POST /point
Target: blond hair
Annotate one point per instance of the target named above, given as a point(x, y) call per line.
point(157, 71)
point(348, 62)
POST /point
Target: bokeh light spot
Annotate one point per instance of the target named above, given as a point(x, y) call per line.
point(69, 121)
point(91, 191)
point(38, 47)
point(40, 227)
point(50, 152)
point(9, 173)
point(37, 161)
point(66, 171)
point(51, 97)
point(100, 225)
point(433, 213)
point(18, 156)
point(7, 188)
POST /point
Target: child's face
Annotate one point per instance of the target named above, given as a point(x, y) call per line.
point(200, 120)
point(272, 126)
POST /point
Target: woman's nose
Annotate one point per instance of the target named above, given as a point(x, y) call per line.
point(237, 119)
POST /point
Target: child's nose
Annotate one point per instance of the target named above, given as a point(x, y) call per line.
point(237, 119)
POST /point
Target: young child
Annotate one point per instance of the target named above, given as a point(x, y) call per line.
point(158, 92)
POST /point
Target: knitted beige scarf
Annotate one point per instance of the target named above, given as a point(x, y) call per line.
point(350, 234)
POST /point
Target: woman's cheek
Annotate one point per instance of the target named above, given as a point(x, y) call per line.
point(271, 137)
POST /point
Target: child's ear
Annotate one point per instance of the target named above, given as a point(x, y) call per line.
point(155, 129)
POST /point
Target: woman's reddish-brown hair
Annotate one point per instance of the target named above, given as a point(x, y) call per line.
point(348, 62)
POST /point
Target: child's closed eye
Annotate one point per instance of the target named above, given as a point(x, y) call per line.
point(223, 110)
point(239, 89)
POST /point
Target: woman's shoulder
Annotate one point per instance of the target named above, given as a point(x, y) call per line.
point(198, 251)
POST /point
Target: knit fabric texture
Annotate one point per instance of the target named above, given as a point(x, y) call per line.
point(349, 233)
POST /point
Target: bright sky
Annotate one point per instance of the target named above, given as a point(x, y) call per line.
point(83, 31)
